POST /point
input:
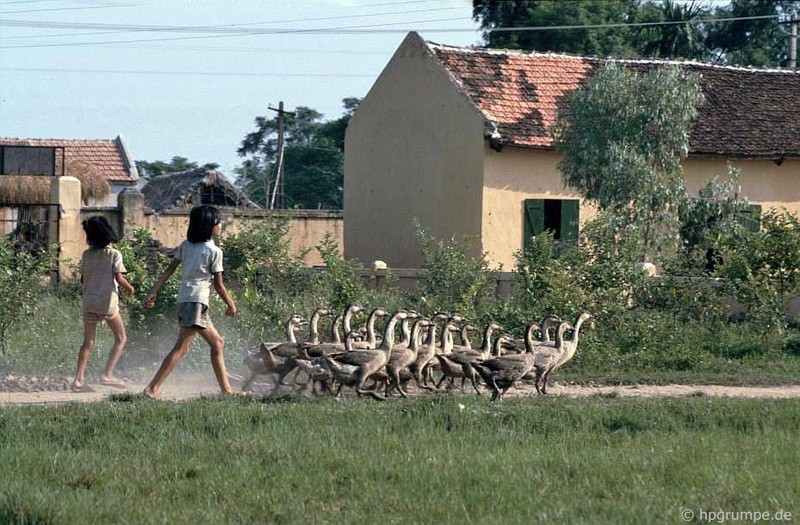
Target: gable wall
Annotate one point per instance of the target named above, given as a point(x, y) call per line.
point(414, 149)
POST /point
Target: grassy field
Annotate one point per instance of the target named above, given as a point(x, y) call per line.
point(443, 460)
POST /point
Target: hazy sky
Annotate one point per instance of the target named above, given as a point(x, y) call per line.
point(187, 78)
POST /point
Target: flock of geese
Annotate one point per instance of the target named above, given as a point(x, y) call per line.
point(361, 360)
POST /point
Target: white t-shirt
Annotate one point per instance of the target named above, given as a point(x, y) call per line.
point(98, 266)
point(200, 262)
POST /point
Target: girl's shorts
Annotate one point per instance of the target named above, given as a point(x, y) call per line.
point(193, 315)
point(92, 317)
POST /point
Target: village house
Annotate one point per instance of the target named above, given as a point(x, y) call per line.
point(458, 139)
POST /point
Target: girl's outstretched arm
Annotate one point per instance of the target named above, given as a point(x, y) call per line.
point(219, 286)
point(123, 282)
point(150, 300)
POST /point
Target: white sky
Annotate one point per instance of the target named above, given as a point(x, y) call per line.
point(195, 94)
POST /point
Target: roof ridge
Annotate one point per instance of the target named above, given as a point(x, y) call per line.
point(537, 54)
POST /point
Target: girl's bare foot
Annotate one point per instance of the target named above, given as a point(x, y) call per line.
point(112, 381)
point(148, 393)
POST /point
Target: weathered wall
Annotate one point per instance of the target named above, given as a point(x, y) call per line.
point(413, 149)
point(306, 227)
point(512, 176)
point(764, 182)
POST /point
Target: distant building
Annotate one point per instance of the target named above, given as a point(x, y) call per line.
point(458, 138)
point(185, 189)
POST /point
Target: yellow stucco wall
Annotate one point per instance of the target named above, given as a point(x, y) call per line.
point(512, 176)
point(414, 149)
point(306, 230)
point(763, 181)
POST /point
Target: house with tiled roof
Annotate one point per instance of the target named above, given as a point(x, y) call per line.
point(459, 139)
point(104, 167)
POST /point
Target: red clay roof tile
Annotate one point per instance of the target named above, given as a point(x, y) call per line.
point(746, 112)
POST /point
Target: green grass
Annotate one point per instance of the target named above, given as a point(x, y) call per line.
point(443, 460)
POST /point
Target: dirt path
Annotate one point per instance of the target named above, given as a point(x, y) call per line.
point(186, 386)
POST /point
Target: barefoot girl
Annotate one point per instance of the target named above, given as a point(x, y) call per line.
point(102, 272)
point(202, 265)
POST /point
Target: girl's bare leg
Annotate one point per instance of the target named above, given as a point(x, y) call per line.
point(216, 345)
point(118, 329)
point(89, 330)
point(179, 350)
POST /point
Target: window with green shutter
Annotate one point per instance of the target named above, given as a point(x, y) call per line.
point(559, 216)
point(750, 217)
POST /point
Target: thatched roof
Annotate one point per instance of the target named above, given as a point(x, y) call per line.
point(186, 189)
point(35, 189)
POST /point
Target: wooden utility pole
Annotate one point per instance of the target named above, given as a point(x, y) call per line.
point(277, 199)
point(792, 21)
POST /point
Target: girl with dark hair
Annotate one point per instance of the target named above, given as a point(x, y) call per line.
point(202, 267)
point(102, 273)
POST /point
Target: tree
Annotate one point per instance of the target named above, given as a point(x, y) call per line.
point(536, 13)
point(683, 34)
point(148, 170)
point(622, 141)
point(313, 158)
point(755, 42)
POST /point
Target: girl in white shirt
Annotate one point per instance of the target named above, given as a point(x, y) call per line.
point(202, 267)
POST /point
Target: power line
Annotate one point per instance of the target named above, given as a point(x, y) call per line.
point(631, 24)
point(125, 28)
point(245, 32)
point(182, 73)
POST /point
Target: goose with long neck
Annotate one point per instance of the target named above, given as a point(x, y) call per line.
point(425, 353)
point(403, 356)
point(318, 350)
point(486, 343)
point(546, 355)
point(464, 333)
point(569, 348)
point(372, 336)
point(254, 360)
point(502, 372)
point(370, 361)
point(459, 363)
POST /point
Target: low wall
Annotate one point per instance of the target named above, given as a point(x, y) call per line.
point(306, 227)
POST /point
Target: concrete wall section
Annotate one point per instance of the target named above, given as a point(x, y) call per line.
point(413, 149)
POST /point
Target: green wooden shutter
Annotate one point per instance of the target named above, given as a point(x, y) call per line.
point(570, 215)
point(534, 218)
point(750, 217)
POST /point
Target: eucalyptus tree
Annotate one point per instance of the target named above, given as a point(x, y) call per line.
point(622, 140)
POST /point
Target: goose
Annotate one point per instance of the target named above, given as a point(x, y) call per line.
point(372, 338)
point(254, 360)
point(486, 342)
point(342, 374)
point(570, 346)
point(425, 353)
point(292, 350)
point(546, 356)
point(518, 345)
point(502, 372)
point(403, 356)
point(344, 320)
point(458, 363)
point(464, 333)
point(370, 361)
point(405, 330)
